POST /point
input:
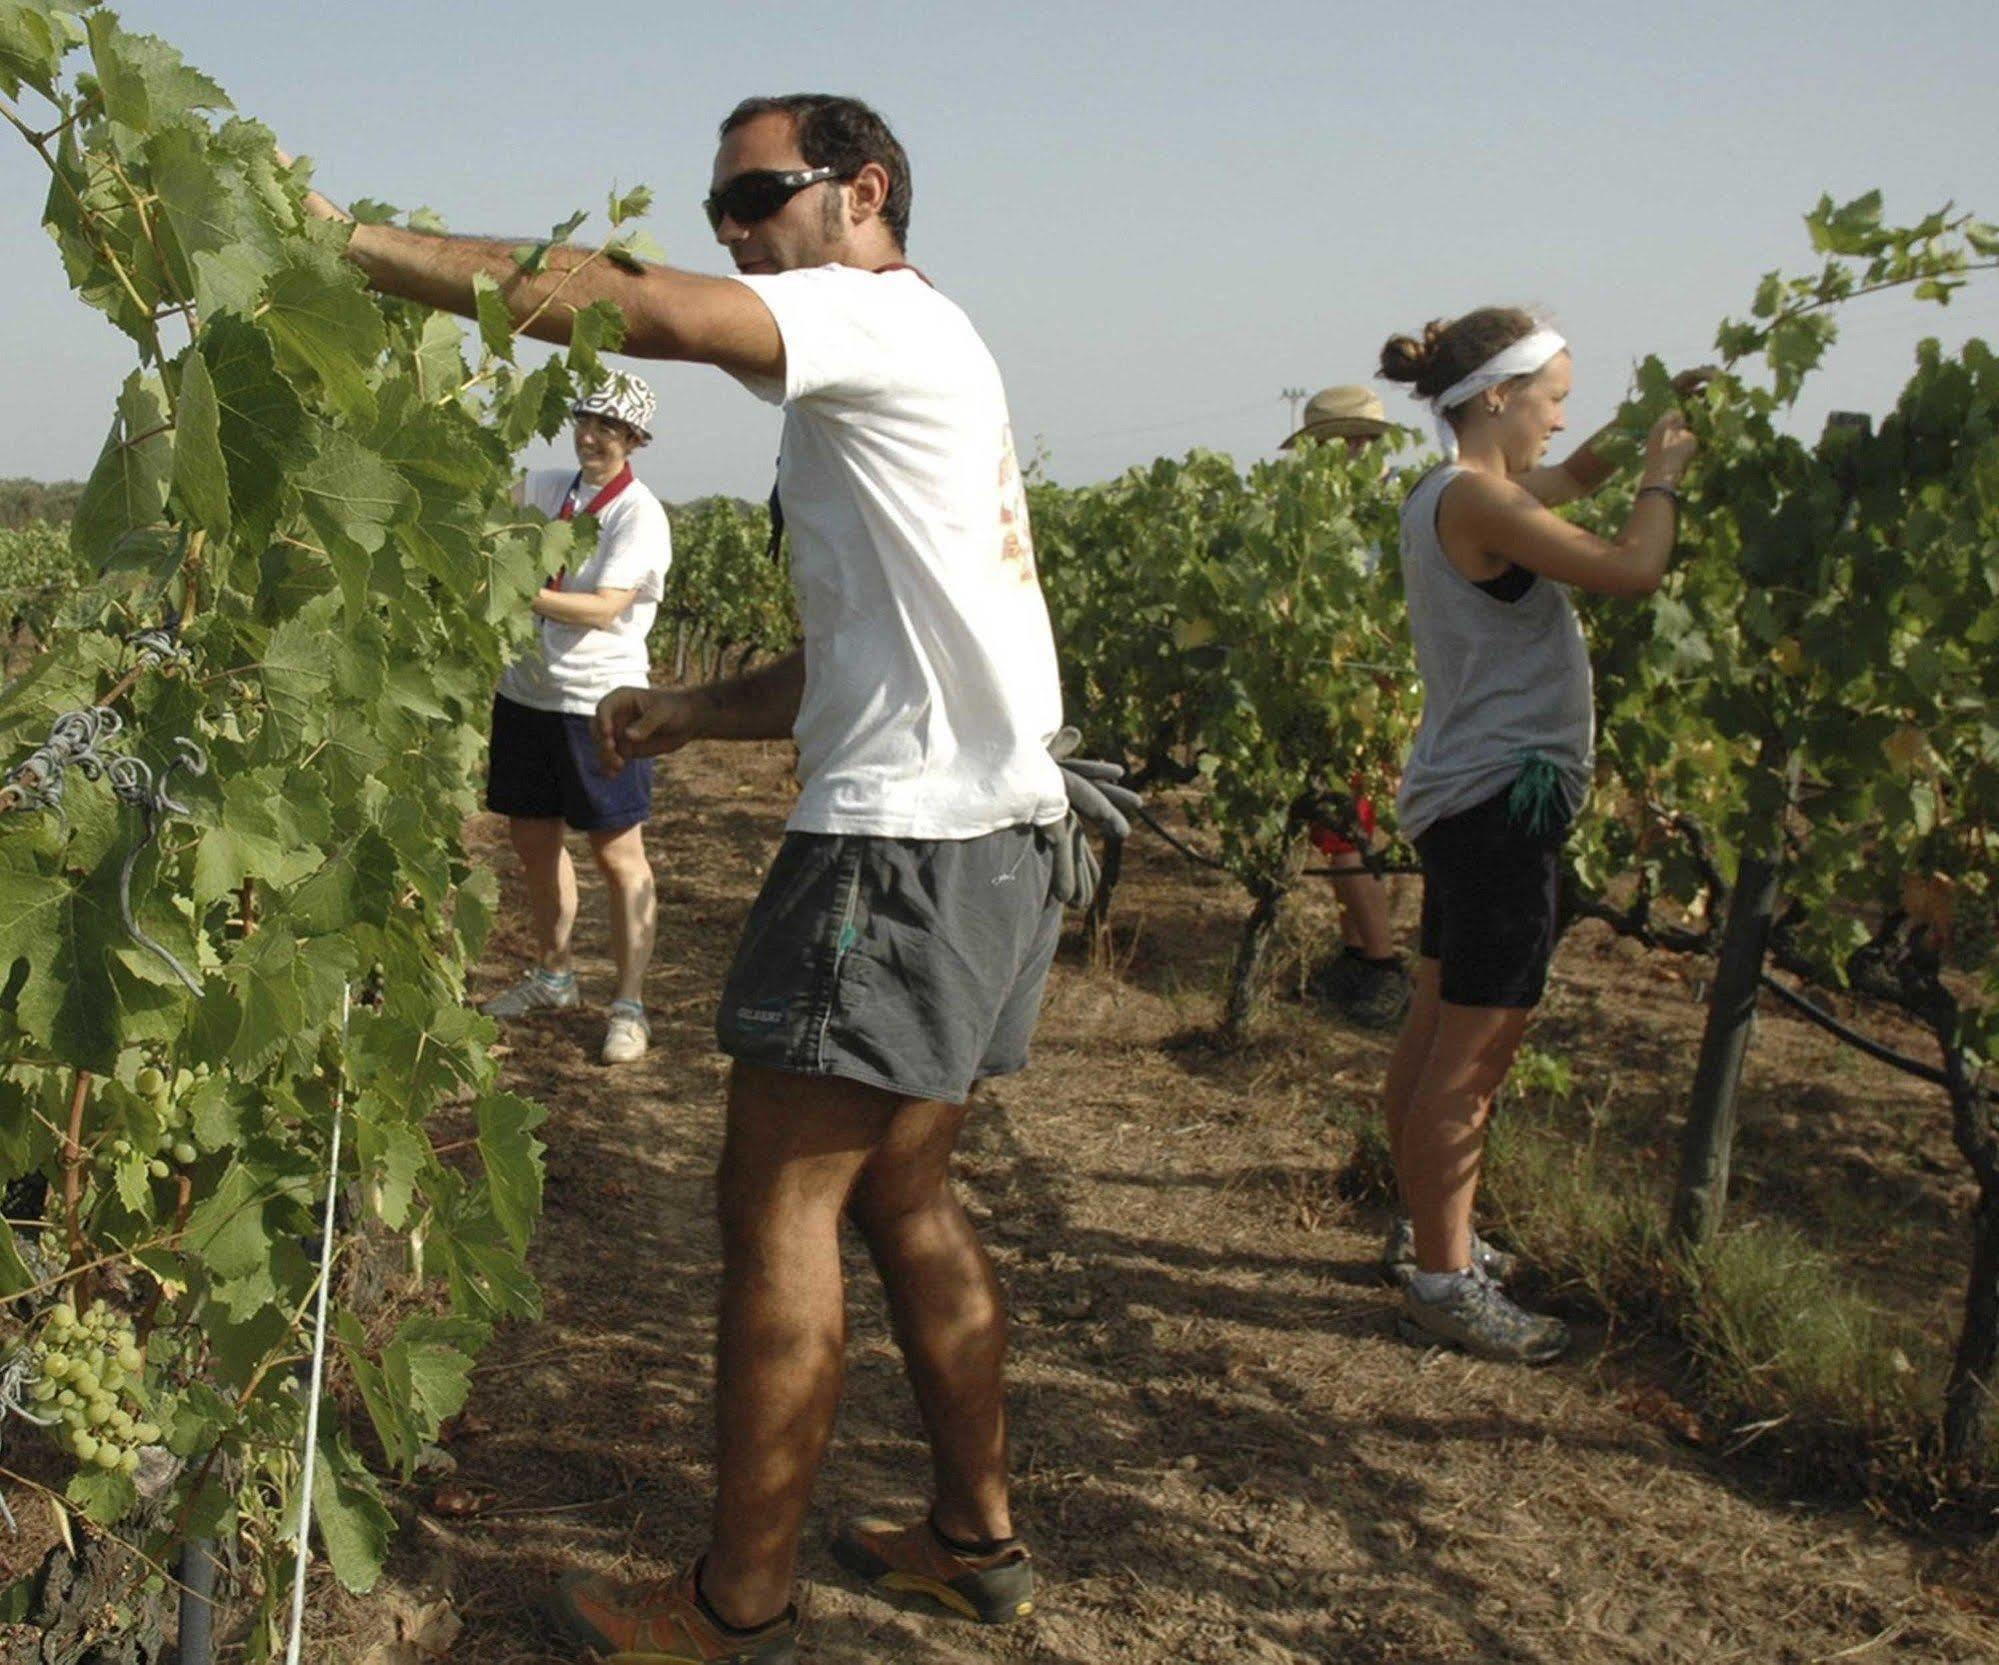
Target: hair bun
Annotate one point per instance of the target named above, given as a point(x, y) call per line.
point(1452, 348)
point(1404, 358)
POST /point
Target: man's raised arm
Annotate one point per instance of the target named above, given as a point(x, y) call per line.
point(668, 313)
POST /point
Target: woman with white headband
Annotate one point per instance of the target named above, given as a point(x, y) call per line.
point(1499, 769)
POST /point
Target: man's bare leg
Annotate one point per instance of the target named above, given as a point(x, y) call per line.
point(551, 886)
point(794, 1148)
point(949, 1315)
point(628, 887)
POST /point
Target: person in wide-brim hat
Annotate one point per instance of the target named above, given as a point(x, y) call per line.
point(1342, 413)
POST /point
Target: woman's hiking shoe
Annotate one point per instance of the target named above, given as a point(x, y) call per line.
point(903, 1562)
point(1398, 1255)
point(628, 1033)
point(1371, 994)
point(536, 992)
point(664, 1623)
point(1472, 1313)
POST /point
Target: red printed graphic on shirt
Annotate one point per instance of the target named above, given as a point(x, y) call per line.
point(1016, 540)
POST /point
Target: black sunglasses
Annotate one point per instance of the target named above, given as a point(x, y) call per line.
point(760, 193)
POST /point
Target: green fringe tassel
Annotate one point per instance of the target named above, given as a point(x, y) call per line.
point(1536, 801)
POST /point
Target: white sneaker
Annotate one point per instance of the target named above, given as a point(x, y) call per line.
point(628, 1033)
point(535, 992)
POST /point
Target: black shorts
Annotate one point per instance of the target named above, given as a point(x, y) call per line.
point(543, 764)
point(1491, 890)
point(916, 965)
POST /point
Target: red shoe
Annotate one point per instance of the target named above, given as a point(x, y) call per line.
point(662, 1623)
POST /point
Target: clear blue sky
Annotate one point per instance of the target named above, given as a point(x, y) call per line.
point(1160, 216)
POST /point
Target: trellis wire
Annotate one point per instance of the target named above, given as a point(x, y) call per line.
point(317, 1381)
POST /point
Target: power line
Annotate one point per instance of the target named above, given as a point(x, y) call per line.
point(1176, 422)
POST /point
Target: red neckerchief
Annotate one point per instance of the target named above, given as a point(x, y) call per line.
point(606, 493)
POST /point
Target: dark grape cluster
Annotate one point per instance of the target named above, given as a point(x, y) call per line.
point(90, 1376)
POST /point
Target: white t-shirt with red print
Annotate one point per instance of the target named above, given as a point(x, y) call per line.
point(930, 684)
point(574, 666)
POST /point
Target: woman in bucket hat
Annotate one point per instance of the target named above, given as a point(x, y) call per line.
point(544, 774)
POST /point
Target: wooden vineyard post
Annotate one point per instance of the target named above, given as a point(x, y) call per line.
point(1974, 1370)
point(1110, 868)
point(1702, 1193)
point(1247, 971)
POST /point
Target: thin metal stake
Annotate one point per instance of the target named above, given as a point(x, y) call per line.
point(318, 1378)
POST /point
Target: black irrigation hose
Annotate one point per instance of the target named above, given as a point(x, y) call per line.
point(1859, 1042)
point(1795, 1001)
point(1369, 870)
point(1185, 850)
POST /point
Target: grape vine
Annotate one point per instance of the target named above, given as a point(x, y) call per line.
point(297, 561)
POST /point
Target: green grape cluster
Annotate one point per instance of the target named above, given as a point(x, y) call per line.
point(90, 1376)
point(175, 1143)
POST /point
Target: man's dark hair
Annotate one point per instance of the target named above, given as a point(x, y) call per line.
point(843, 133)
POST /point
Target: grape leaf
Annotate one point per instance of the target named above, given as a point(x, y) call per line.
point(260, 834)
point(128, 487)
point(228, 250)
point(354, 1527)
point(351, 497)
point(145, 82)
point(512, 1156)
point(496, 323)
point(393, 1151)
point(440, 356)
point(104, 1497)
point(279, 992)
point(259, 420)
point(324, 328)
point(31, 46)
point(596, 328)
point(200, 484)
point(66, 933)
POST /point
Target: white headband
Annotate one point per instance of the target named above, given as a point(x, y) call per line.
point(1527, 355)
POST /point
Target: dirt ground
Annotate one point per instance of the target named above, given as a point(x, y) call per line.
point(1222, 1451)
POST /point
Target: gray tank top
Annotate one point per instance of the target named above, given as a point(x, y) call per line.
point(1505, 683)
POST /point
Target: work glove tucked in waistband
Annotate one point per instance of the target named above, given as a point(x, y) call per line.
point(1096, 802)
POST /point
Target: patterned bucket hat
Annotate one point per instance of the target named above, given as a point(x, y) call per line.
point(624, 398)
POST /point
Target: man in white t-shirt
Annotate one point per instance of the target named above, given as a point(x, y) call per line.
point(898, 950)
point(543, 771)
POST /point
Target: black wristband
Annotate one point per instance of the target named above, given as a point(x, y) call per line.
point(1663, 491)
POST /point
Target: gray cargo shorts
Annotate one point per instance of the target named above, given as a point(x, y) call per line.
point(916, 965)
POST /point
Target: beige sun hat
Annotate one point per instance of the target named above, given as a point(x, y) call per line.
point(1339, 413)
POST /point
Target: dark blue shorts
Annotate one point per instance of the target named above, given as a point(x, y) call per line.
point(543, 764)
